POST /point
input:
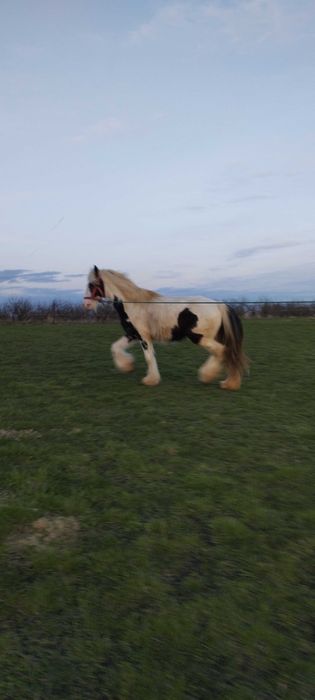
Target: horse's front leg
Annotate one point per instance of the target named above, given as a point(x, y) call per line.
point(122, 359)
point(153, 375)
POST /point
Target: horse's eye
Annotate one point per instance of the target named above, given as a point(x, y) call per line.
point(91, 286)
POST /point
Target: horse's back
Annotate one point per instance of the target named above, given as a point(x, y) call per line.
point(169, 317)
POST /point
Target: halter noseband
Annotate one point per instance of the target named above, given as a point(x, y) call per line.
point(97, 291)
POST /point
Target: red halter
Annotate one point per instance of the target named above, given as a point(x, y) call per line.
point(97, 290)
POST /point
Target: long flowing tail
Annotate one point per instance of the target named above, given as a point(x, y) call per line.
point(231, 334)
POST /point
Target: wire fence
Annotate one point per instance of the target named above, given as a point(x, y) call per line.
point(208, 301)
point(20, 309)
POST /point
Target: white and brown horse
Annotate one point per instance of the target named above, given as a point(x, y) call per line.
point(147, 317)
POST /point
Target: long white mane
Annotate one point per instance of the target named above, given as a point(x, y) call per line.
point(119, 285)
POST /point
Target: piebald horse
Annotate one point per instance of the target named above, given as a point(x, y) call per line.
point(147, 317)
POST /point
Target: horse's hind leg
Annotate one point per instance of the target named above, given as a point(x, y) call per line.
point(122, 359)
point(213, 365)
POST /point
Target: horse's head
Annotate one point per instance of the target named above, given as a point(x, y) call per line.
point(95, 290)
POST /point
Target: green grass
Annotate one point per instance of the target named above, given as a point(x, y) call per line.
point(191, 575)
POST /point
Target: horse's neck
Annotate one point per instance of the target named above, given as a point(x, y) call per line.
point(123, 292)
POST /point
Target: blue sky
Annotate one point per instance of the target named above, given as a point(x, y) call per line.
point(174, 141)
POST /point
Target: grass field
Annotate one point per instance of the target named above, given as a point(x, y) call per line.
point(157, 543)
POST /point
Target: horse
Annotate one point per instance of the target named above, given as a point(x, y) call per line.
point(147, 317)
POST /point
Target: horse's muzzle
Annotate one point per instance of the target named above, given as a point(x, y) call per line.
point(89, 303)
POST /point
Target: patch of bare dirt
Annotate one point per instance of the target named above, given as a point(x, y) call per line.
point(19, 434)
point(46, 530)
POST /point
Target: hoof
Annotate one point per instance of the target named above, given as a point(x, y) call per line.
point(128, 367)
point(230, 385)
point(125, 366)
point(205, 378)
point(151, 381)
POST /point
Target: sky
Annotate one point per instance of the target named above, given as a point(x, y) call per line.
point(173, 141)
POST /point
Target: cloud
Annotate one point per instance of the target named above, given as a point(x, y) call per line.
point(23, 276)
point(250, 21)
point(21, 282)
point(235, 177)
point(254, 19)
point(101, 129)
point(48, 284)
point(254, 250)
point(40, 277)
point(171, 15)
point(294, 283)
point(167, 274)
point(251, 198)
point(52, 292)
point(193, 207)
point(10, 275)
point(25, 50)
point(263, 174)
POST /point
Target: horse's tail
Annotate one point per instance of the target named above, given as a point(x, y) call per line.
point(231, 335)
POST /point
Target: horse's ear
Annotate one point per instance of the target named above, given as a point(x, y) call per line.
point(96, 271)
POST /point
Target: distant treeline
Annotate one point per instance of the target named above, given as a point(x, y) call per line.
point(19, 309)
